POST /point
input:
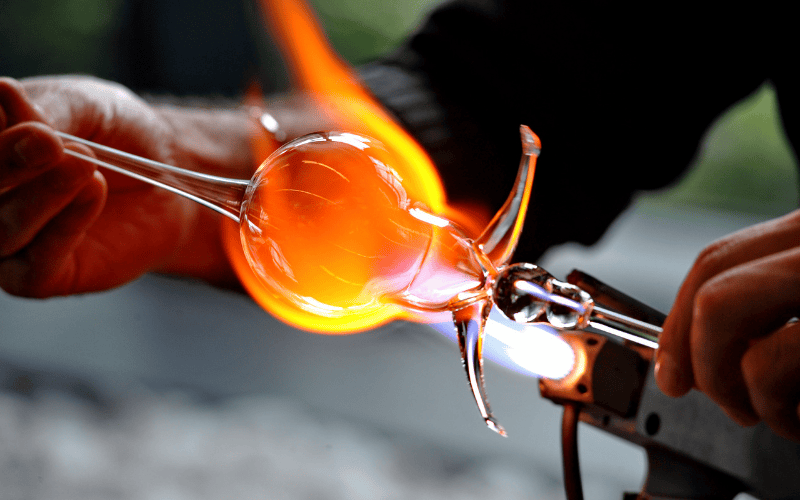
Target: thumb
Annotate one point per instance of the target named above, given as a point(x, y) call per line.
point(17, 105)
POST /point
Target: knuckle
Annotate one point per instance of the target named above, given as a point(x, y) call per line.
point(710, 303)
point(772, 398)
point(758, 364)
point(755, 371)
point(10, 86)
point(793, 218)
point(712, 256)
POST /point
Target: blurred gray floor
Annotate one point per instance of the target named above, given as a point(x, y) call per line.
point(402, 382)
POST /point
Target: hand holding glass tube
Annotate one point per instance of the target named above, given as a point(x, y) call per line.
point(67, 227)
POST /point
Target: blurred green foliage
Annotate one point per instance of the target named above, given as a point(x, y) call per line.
point(50, 37)
point(362, 31)
point(744, 163)
point(58, 36)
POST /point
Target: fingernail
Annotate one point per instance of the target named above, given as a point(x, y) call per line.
point(668, 376)
point(31, 151)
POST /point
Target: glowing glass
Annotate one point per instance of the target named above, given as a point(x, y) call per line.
point(337, 243)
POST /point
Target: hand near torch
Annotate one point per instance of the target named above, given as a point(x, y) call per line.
point(733, 331)
point(66, 227)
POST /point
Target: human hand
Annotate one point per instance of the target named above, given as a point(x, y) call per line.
point(66, 227)
point(733, 331)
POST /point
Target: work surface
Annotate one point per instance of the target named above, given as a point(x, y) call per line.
point(201, 394)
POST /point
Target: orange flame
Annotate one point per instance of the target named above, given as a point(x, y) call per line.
point(317, 69)
point(318, 72)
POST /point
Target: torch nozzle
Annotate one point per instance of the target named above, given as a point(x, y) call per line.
point(526, 293)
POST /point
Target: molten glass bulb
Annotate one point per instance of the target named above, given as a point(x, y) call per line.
point(333, 239)
point(330, 230)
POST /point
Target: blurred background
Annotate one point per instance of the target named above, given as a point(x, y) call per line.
point(169, 389)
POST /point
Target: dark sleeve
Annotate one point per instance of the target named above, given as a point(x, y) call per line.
point(619, 98)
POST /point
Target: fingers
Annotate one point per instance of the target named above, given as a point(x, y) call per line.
point(48, 266)
point(26, 209)
point(772, 375)
point(15, 105)
point(43, 220)
point(674, 372)
point(26, 150)
point(733, 312)
point(732, 332)
point(46, 199)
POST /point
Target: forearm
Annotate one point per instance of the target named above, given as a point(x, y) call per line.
point(229, 143)
point(218, 142)
point(213, 140)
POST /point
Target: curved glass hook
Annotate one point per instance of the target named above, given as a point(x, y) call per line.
point(500, 237)
point(497, 243)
